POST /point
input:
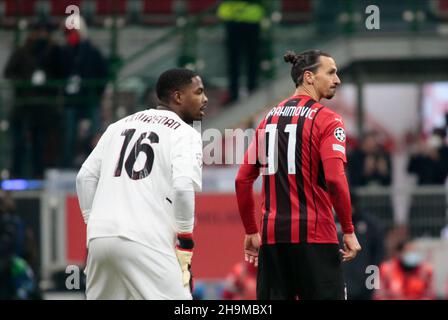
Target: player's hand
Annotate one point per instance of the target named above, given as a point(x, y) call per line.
point(252, 244)
point(351, 247)
point(184, 253)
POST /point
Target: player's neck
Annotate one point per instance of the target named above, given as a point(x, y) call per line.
point(175, 110)
point(168, 108)
point(304, 91)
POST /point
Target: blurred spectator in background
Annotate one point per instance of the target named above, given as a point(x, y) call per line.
point(406, 276)
point(9, 218)
point(25, 244)
point(17, 279)
point(86, 75)
point(242, 24)
point(35, 117)
point(429, 162)
point(370, 164)
point(370, 237)
point(241, 283)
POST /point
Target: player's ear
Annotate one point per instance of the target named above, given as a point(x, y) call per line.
point(177, 96)
point(308, 77)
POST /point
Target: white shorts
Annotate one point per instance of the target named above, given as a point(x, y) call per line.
point(121, 269)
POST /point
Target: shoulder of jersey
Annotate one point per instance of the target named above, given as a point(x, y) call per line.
point(185, 128)
point(114, 124)
point(330, 115)
point(148, 111)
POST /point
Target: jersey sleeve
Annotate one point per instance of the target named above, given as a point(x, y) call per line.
point(93, 161)
point(186, 157)
point(333, 138)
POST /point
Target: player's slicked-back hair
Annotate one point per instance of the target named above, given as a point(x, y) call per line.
point(305, 61)
point(172, 80)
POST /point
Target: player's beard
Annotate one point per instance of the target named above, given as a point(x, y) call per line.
point(330, 94)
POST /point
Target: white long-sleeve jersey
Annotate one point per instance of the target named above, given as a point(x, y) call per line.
point(126, 187)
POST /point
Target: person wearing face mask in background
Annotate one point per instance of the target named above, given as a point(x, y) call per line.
point(35, 115)
point(406, 276)
point(429, 163)
point(86, 75)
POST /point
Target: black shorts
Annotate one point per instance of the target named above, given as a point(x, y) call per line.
point(300, 271)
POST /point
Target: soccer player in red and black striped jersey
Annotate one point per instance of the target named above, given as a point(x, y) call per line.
point(299, 150)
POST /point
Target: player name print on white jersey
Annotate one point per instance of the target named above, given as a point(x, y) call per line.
point(160, 119)
point(138, 157)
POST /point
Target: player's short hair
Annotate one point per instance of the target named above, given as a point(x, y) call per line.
point(304, 61)
point(172, 80)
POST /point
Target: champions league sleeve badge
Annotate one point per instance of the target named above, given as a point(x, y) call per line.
point(339, 134)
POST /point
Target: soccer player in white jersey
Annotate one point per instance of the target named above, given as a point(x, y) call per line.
point(136, 193)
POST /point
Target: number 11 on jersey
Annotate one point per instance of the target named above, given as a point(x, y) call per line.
point(272, 152)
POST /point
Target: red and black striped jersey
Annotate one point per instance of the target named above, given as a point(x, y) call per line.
point(291, 143)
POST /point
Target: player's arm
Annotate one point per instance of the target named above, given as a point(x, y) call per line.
point(332, 151)
point(86, 184)
point(340, 198)
point(88, 177)
point(183, 203)
point(339, 192)
point(186, 158)
point(244, 182)
point(247, 174)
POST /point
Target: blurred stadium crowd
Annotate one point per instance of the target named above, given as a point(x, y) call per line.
point(61, 87)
